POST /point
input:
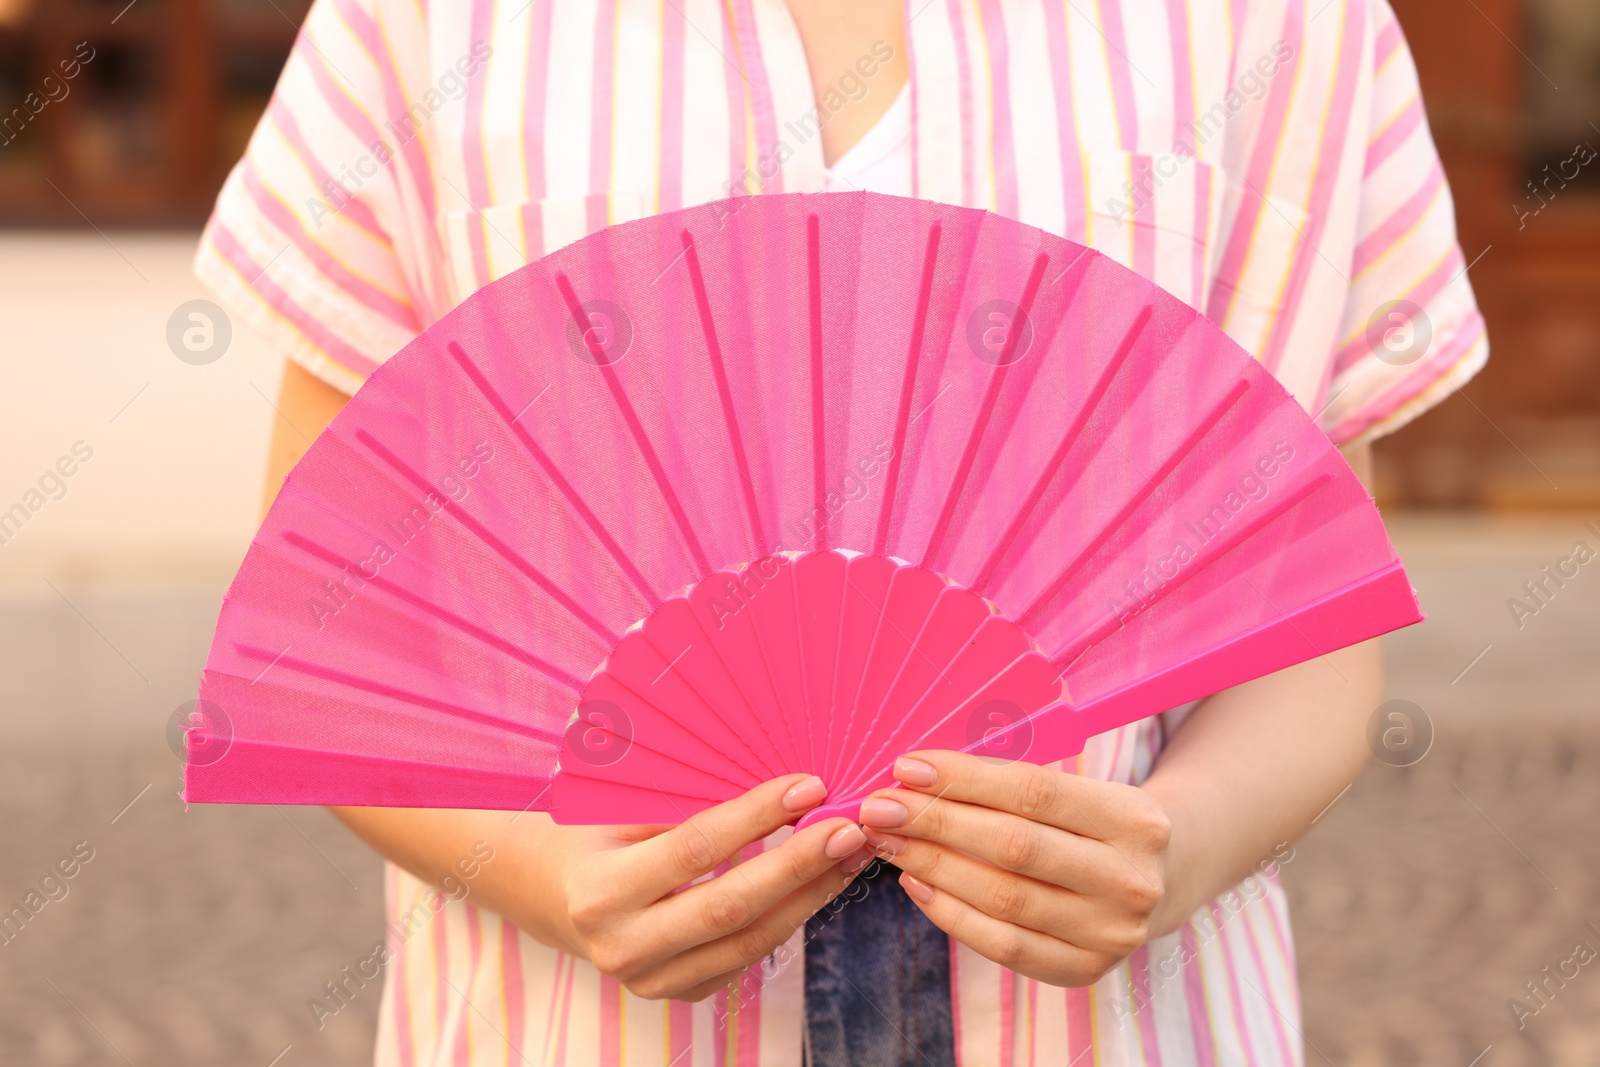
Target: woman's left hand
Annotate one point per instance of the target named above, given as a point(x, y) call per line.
point(1051, 875)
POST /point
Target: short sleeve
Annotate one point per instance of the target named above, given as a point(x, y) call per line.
point(311, 239)
point(1411, 333)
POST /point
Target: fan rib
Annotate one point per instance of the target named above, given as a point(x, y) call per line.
point(647, 451)
point(719, 372)
point(734, 679)
point(960, 479)
point(1063, 451)
point(853, 767)
point(404, 696)
point(819, 453)
point(838, 656)
point(1357, 611)
point(908, 385)
point(863, 773)
point(818, 642)
point(804, 671)
point(783, 694)
point(858, 651)
point(659, 753)
point(1151, 484)
point(547, 465)
point(1075, 648)
point(327, 555)
point(289, 774)
point(897, 585)
point(851, 736)
point(772, 762)
point(761, 770)
point(483, 534)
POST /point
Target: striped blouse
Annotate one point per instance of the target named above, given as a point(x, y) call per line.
point(1267, 161)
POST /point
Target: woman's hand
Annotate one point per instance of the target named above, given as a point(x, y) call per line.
point(627, 912)
point(1051, 875)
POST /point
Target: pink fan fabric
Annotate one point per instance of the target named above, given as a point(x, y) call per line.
point(556, 461)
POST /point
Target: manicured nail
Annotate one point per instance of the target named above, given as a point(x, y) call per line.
point(857, 861)
point(916, 889)
point(804, 794)
point(845, 840)
point(886, 813)
point(915, 772)
point(886, 845)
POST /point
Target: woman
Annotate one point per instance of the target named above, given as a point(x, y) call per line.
point(1269, 163)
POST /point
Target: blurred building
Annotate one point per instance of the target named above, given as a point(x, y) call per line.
point(162, 95)
point(137, 110)
point(1513, 93)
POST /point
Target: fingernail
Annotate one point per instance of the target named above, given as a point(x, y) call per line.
point(916, 889)
point(876, 811)
point(857, 861)
point(915, 772)
point(886, 844)
point(845, 840)
point(807, 793)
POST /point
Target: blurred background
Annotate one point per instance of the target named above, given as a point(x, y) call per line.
point(1449, 884)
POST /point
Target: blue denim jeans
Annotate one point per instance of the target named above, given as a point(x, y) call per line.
point(877, 980)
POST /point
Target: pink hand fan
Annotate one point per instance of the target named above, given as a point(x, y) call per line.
point(785, 483)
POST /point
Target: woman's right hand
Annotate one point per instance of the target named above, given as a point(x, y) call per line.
point(619, 896)
point(631, 912)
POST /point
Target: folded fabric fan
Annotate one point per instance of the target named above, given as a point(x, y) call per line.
point(784, 483)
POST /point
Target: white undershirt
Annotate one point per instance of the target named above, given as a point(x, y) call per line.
point(881, 161)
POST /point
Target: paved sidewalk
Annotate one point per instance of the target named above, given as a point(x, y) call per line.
point(1423, 901)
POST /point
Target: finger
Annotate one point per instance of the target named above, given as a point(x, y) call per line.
point(755, 942)
point(738, 984)
point(710, 838)
point(1002, 839)
point(1090, 923)
point(733, 900)
point(1016, 948)
point(1083, 806)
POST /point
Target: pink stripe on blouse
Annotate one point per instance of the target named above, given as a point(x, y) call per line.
point(992, 19)
point(355, 210)
point(603, 102)
point(1395, 134)
point(284, 305)
point(670, 190)
point(1335, 131)
point(274, 211)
